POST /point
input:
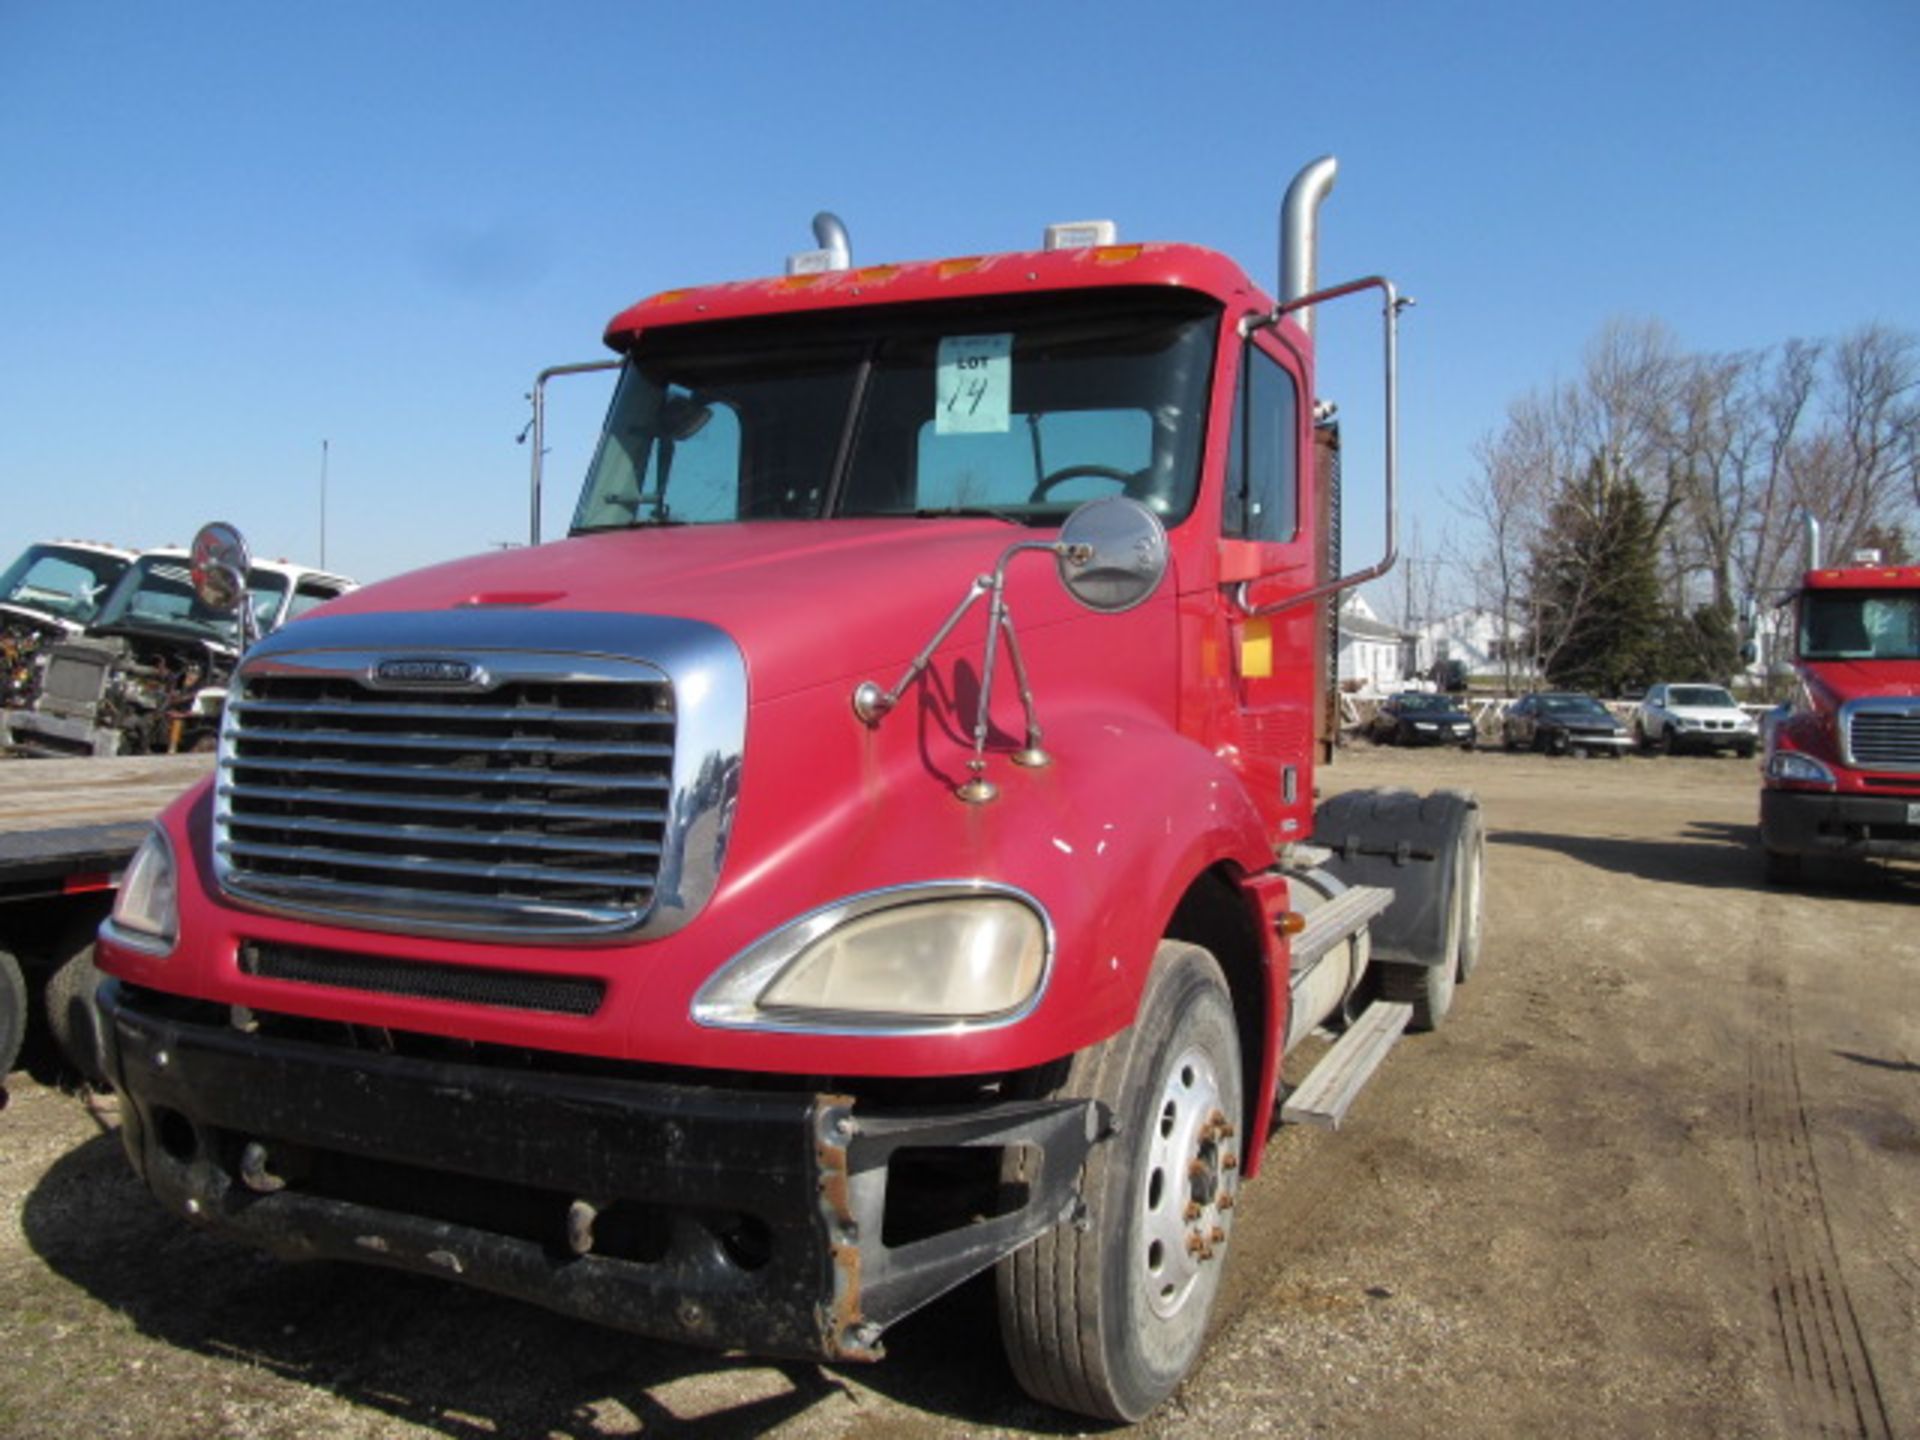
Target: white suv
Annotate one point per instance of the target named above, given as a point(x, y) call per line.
point(1693, 717)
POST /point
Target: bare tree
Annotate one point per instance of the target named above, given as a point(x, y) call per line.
point(1730, 451)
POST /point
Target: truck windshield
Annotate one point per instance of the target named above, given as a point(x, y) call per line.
point(157, 596)
point(61, 580)
point(1018, 408)
point(1860, 625)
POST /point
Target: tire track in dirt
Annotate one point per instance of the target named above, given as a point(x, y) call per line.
point(1831, 1386)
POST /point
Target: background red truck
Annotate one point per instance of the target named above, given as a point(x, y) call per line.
point(728, 923)
point(1842, 771)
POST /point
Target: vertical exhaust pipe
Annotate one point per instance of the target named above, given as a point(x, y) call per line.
point(1300, 233)
point(835, 250)
point(830, 234)
point(1813, 539)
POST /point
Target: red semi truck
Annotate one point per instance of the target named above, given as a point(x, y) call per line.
point(1842, 770)
point(727, 923)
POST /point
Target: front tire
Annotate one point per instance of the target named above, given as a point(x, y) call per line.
point(1106, 1317)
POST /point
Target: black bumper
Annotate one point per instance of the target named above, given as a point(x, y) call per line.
point(1799, 822)
point(718, 1217)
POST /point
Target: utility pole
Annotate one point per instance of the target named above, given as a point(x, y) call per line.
point(323, 504)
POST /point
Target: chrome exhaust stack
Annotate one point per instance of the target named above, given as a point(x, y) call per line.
point(1300, 234)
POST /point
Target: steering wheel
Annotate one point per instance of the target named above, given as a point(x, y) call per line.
point(1125, 479)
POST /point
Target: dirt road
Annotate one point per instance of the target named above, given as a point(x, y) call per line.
point(1659, 1175)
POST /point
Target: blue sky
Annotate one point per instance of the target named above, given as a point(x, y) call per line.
point(228, 232)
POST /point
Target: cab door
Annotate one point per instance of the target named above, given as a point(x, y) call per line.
point(1268, 552)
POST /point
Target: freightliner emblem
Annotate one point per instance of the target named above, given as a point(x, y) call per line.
point(426, 670)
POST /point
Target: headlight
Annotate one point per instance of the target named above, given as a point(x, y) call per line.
point(146, 911)
point(1792, 766)
point(923, 958)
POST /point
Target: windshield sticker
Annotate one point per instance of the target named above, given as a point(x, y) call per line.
point(973, 392)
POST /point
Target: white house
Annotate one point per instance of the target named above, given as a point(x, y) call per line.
point(1373, 654)
point(1476, 638)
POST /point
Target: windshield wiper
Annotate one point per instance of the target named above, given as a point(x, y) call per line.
point(635, 524)
point(987, 512)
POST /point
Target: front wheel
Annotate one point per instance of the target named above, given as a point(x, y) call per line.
point(1106, 1316)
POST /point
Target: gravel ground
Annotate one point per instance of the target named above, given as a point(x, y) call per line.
point(1656, 1176)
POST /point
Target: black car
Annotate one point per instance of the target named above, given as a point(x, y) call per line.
point(1561, 723)
point(1415, 717)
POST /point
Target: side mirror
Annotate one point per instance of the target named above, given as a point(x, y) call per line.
point(1112, 554)
point(219, 566)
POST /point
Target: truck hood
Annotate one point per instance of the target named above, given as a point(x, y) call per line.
point(808, 601)
point(1845, 680)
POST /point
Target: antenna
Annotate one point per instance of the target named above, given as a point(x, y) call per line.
point(323, 504)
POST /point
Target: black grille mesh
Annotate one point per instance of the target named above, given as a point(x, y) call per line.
point(461, 984)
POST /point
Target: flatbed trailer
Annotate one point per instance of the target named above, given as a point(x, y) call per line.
point(67, 829)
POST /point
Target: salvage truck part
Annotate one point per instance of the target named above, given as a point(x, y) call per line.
point(877, 846)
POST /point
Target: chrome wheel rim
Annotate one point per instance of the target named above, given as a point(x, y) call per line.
point(1188, 1184)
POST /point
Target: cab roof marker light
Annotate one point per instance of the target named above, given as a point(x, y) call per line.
point(1082, 234)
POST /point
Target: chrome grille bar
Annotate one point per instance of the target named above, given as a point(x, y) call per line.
point(435, 804)
point(460, 744)
point(425, 835)
point(420, 865)
point(404, 903)
point(347, 770)
point(492, 714)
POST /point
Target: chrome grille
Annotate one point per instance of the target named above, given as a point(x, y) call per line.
point(529, 802)
point(1884, 738)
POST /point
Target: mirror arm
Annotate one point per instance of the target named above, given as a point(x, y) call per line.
point(872, 704)
point(537, 426)
point(1393, 304)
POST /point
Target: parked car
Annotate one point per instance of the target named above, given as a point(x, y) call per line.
point(1416, 717)
point(1694, 717)
point(1562, 723)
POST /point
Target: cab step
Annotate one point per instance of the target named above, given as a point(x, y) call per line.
point(1324, 1097)
point(1339, 918)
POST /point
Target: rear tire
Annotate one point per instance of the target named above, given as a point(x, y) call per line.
point(1106, 1317)
point(13, 1013)
point(1428, 988)
point(73, 1019)
point(1429, 938)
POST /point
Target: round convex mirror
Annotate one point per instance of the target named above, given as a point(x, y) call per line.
point(219, 567)
point(1112, 554)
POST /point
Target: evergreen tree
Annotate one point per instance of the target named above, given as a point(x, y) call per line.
point(1600, 624)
